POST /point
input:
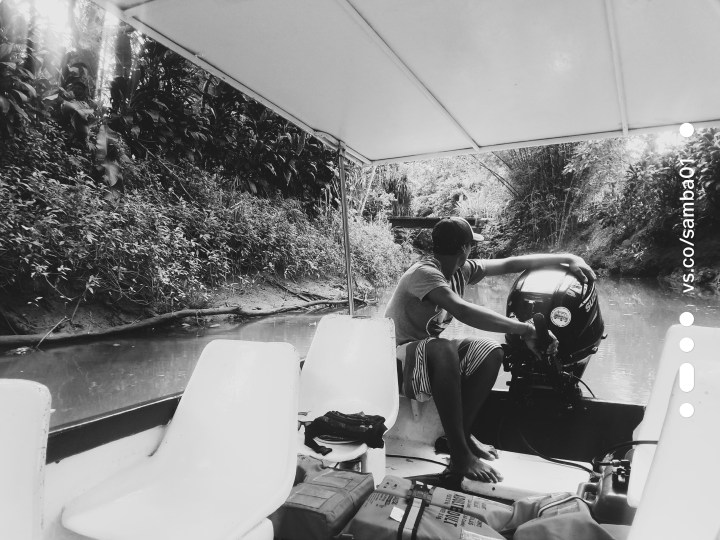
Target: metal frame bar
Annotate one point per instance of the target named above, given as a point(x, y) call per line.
point(137, 4)
point(77, 437)
point(346, 229)
point(332, 142)
point(390, 53)
point(617, 64)
point(599, 419)
point(196, 58)
point(544, 142)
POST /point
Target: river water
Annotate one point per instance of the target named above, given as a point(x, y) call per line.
point(95, 377)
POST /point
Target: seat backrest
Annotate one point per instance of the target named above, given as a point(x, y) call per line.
point(680, 497)
point(24, 423)
point(351, 367)
point(238, 414)
point(703, 356)
point(704, 351)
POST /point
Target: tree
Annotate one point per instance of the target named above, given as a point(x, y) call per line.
point(440, 185)
point(703, 153)
point(546, 192)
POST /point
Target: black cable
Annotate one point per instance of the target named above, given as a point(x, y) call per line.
point(596, 460)
point(555, 460)
point(626, 445)
point(417, 458)
point(578, 379)
point(547, 458)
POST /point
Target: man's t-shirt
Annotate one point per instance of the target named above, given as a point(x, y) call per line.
point(416, 317)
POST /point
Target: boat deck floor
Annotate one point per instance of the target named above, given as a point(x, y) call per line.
point(523, 474)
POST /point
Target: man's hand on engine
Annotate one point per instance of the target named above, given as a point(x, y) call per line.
point(531, 340)
point(582, 270)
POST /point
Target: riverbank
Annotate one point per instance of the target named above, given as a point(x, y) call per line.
point(257, 294)
point(638, 256)
point(76, 254)
point(262, 293)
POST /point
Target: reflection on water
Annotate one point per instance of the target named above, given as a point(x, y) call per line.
point(91, 378)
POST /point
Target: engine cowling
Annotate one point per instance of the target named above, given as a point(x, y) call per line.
point(572, 313)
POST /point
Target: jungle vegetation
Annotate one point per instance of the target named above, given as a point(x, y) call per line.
point(131, 176)
point(615, 201)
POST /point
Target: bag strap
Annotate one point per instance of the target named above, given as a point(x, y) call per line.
point(410, 523)
point(403, 521)
point(423, 506)
point(417, 502)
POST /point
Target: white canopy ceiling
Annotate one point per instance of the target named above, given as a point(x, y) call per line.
point(405, 79)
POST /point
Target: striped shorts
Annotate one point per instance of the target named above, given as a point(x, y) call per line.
point(413, 373)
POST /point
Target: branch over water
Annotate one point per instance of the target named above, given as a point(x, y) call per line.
point(160, 320)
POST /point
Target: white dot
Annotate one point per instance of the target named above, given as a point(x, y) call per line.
point(687, 129)
point(686, 344)
point(687, 318)
point(686, 377)
point(686, 410)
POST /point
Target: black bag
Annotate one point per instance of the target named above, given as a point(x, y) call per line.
point(341, 427)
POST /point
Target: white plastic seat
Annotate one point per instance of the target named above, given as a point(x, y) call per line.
point(679, 490)
point(24, 423)
point(351, 367)
point(704, 355)
point(226, 462)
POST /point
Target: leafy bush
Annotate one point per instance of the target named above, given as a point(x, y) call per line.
point(47, 152)
point(650, 198)
point(276, 236)
point(650, 202)
point(703, 151)
point(66, 240)
point(375, 255)
point(136, 200)
point(171, 235)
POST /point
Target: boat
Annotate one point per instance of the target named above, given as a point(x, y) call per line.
point(392, 81)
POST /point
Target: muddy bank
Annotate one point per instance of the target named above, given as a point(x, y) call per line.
point(42, 316)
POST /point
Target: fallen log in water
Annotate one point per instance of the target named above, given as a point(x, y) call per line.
point(35, 340)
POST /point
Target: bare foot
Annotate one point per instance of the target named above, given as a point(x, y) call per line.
point(477, 469)
point(482, 450)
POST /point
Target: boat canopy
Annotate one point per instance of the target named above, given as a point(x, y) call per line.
point(397, 80)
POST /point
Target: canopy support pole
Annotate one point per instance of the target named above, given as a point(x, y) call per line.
point(346, 228)
point(619, 82)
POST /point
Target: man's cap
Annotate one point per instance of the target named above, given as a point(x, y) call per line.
point(451, 233)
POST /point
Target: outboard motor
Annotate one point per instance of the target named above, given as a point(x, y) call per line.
point(558, 301)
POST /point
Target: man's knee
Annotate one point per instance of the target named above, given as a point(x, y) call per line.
point(441, 354)
point(493, 361)
point(496, 357)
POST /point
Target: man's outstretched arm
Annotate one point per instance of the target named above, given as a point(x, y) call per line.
point(513, 265)
point(476, 316)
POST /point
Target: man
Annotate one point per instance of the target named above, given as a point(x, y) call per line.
point(459, 374)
